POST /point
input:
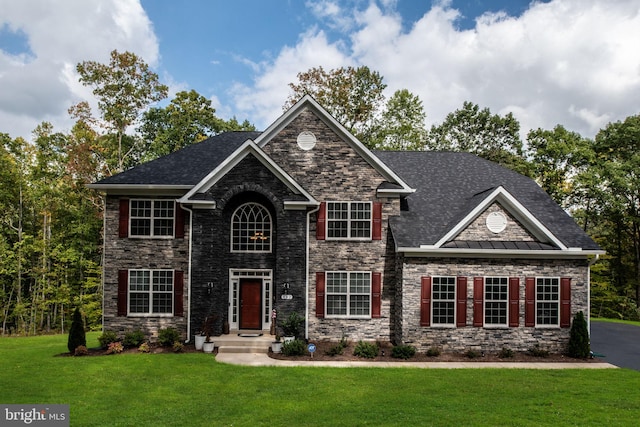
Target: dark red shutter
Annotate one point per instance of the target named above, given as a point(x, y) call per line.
point(514, 302)
point(123, 218)
point(425, 302)
point(178, 293)
point(478, 301)
point(320, 295)
point(376, 233)
point(461, 297)
point(321, 222)
point(565, 302)
point(123, 285)
point(179, 222)
point(376, 297)
point(530, 302)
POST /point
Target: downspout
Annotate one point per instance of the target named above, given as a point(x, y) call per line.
point(189, 272)
point(306, 317)
point(591, 262)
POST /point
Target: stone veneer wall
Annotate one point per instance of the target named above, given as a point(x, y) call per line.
point(139, 253)
point(480, 338)
point(478, 231)
point(333, 171)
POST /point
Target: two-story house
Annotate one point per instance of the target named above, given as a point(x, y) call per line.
point(430, 248)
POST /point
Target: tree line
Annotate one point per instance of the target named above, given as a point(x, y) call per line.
point(51, 224)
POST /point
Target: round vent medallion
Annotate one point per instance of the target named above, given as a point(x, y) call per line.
point(306, 140)
point(496, 222)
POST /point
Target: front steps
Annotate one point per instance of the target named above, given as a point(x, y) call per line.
point(234, 342)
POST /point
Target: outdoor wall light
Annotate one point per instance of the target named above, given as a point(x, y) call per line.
point(209, 288)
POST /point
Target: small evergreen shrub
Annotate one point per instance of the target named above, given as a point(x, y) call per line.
point(77, 336)
point(115, 348)
point(294, 348)
point(81, 350)
point(472, 354)
point(433, 352)
point(144, 348)
point(178, 347)
point(506, 353)
point(579, 347)
point(337, 349)
point(106, 338)
point(133, 339)
point(536, 351)
point(403, 352)
point(167, 336)
point(366, 350)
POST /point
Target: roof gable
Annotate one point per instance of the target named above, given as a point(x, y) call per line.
point(246, 149)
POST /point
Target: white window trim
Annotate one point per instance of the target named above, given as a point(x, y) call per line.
point(484, 302)
point(349, 221)
point(557, 302)
point(348, 294)
point(455, 305)
point(151, 235)
point(151, 314)
point(233, 215)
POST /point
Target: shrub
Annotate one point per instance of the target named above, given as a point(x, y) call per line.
point(144, 348)
point(536, 351)
point(133, 339)
point(77, 336)
point(579, 347)
point(166, 337)
point(294, 348)
point(178, 347)
point(506, 353)
point(472, 354)
point(433, 352)
point(366, 350)
point(106, 338)
point(81, 350)
point(403, 352)
point(292, 326)
point(115, 348)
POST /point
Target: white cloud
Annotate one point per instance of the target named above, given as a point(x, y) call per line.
point(569, 62)
point(41, 84)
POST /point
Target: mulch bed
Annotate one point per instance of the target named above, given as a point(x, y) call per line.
point(385, 356)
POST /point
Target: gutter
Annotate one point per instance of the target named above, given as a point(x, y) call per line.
point(306, 317)
point(189, 272)
point(496, 253)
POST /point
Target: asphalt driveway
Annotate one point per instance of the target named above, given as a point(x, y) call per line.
point(619, 343)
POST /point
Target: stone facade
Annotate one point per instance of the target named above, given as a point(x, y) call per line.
point(478, 231)
point(519, 338)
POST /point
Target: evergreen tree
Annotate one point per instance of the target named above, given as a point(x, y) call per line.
point(579, 337)
point(77, 336)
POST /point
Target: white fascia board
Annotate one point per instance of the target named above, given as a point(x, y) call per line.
point(297, 205)
point(248, 147)
point(515, 208)
point(307, 101)
point(140, 189)
point(433, 252)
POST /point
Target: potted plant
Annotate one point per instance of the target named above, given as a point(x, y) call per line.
point(276, 346)
point(207, 331)
point(292, 326)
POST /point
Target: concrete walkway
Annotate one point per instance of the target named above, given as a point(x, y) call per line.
point(261, 359)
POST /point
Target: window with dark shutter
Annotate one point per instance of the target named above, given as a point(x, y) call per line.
point(425, 301)
point(320, 293)
point(178, 293)
point(478, 301)
point(321, 222)
point(180, 214)
point(377, 221)
point(123, 218)
point(376, 294)
point(565, 302)
point(461, 302)
point(514, 302)
point(530, 302)
point(123, 287)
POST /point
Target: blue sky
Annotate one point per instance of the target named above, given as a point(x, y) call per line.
point(573, 62)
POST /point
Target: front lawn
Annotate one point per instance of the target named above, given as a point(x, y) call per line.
point(193, 390)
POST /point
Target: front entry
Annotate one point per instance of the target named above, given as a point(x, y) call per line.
point(250, 304)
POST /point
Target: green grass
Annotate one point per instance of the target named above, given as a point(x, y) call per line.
point(193, 390)
point(626, 322)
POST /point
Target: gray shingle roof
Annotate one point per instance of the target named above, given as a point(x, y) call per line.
point(449, 185)
point(184, 167)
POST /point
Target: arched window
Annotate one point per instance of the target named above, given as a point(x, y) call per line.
point(251, 229)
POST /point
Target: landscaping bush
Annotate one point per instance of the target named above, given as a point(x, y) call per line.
point(115, 348)
point(166, 337)
point(178, 347)
point(506, 353)
point(106, 338)
point(144, 348)
point(536, 351)
point(292, 326)
point(366, 350)
point(133, 339)
point(579, 347)
point(337, 349)
point(433, 352)
point(403, 352)
point(294, 348)
point(77, 336)
point(472, 354)
point(80, 351)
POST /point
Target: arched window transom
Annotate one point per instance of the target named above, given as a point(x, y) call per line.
point(251, 229)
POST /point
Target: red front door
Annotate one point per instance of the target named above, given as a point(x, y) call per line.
point(250, 303)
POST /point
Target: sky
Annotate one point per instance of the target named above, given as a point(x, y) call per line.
point(569, 62)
